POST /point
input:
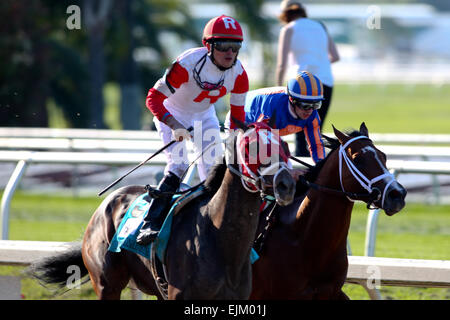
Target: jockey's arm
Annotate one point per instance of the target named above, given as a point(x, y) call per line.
point(315, 142)
point(237, 99)
point(163, 88)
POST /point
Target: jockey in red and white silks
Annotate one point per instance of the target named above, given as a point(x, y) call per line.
point(186, 94)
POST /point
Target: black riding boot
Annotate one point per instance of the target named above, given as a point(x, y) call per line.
point(157, 210)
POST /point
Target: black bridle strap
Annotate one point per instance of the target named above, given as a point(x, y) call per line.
point(301, 162)
point(374, 195)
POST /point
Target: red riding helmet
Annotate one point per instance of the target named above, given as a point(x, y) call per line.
point(223, 27)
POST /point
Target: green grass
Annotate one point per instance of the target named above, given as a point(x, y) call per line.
point(417, 232)
point(395, 108)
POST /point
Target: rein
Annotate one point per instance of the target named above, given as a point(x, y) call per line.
point(371, 197)
point(155, 193)
point(258, 182)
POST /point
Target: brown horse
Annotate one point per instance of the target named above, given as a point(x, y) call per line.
point(208, 254)
point(305, 254)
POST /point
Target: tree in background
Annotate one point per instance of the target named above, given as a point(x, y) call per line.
point(249, 12)
point(139, 24)
point(24, 63)
point(96, 19)
point(38, 63)
point(43, 61)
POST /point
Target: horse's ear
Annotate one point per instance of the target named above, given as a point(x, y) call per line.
point(331, 143)
point(273, 119)
point(363, 129)
point(342, 137)
point(239, 124)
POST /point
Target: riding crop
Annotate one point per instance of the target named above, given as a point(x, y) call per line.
point(140, 164)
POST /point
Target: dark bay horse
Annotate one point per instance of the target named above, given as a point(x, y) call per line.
point(305, 254)
point(208, 254)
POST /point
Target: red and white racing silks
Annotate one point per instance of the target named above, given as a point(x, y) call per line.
point(178, 92)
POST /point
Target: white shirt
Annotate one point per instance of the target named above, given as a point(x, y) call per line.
point(308, 50)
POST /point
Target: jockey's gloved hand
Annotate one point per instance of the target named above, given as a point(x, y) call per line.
point(179, 131)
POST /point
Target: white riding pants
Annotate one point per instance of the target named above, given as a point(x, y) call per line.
point(206, 131)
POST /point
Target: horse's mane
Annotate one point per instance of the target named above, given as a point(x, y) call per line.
point(312, 173)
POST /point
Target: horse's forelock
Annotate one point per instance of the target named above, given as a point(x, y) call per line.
point(354, 133)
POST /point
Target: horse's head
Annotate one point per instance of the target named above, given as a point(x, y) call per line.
point(261, 160)
point(362, 167)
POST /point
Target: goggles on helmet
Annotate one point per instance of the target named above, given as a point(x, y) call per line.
point(305, 105)
point(224, 46)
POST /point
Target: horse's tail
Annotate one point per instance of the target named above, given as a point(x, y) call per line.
point(62, 269)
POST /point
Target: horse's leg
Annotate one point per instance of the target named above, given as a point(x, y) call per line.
point(108, 271)
point(115, 277)
point(109, 274)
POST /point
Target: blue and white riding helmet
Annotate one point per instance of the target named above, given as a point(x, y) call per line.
point(305, 87)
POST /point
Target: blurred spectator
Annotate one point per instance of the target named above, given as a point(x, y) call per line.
point(308, 47)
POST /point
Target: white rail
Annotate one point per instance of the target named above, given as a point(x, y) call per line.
point(399, 272)
point(23, 253)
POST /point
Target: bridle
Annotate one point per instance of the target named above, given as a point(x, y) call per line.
point(360, 177)
point(254, 181)
point(257, 183)
point(373, 193)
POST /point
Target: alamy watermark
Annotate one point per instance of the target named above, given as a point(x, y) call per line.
point(74, 20)
point(74, 280)
point(374, 277)
point(373, 20)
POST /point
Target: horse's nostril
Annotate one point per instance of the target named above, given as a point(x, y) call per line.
point(282, 186)
point(396, 194)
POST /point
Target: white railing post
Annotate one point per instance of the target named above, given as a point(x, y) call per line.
point(7, 197)
point(371, 233)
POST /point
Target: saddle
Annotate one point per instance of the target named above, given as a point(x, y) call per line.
point(127, 231)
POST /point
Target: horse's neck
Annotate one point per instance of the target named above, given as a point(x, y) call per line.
point(324, 217)
point(234, 212)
